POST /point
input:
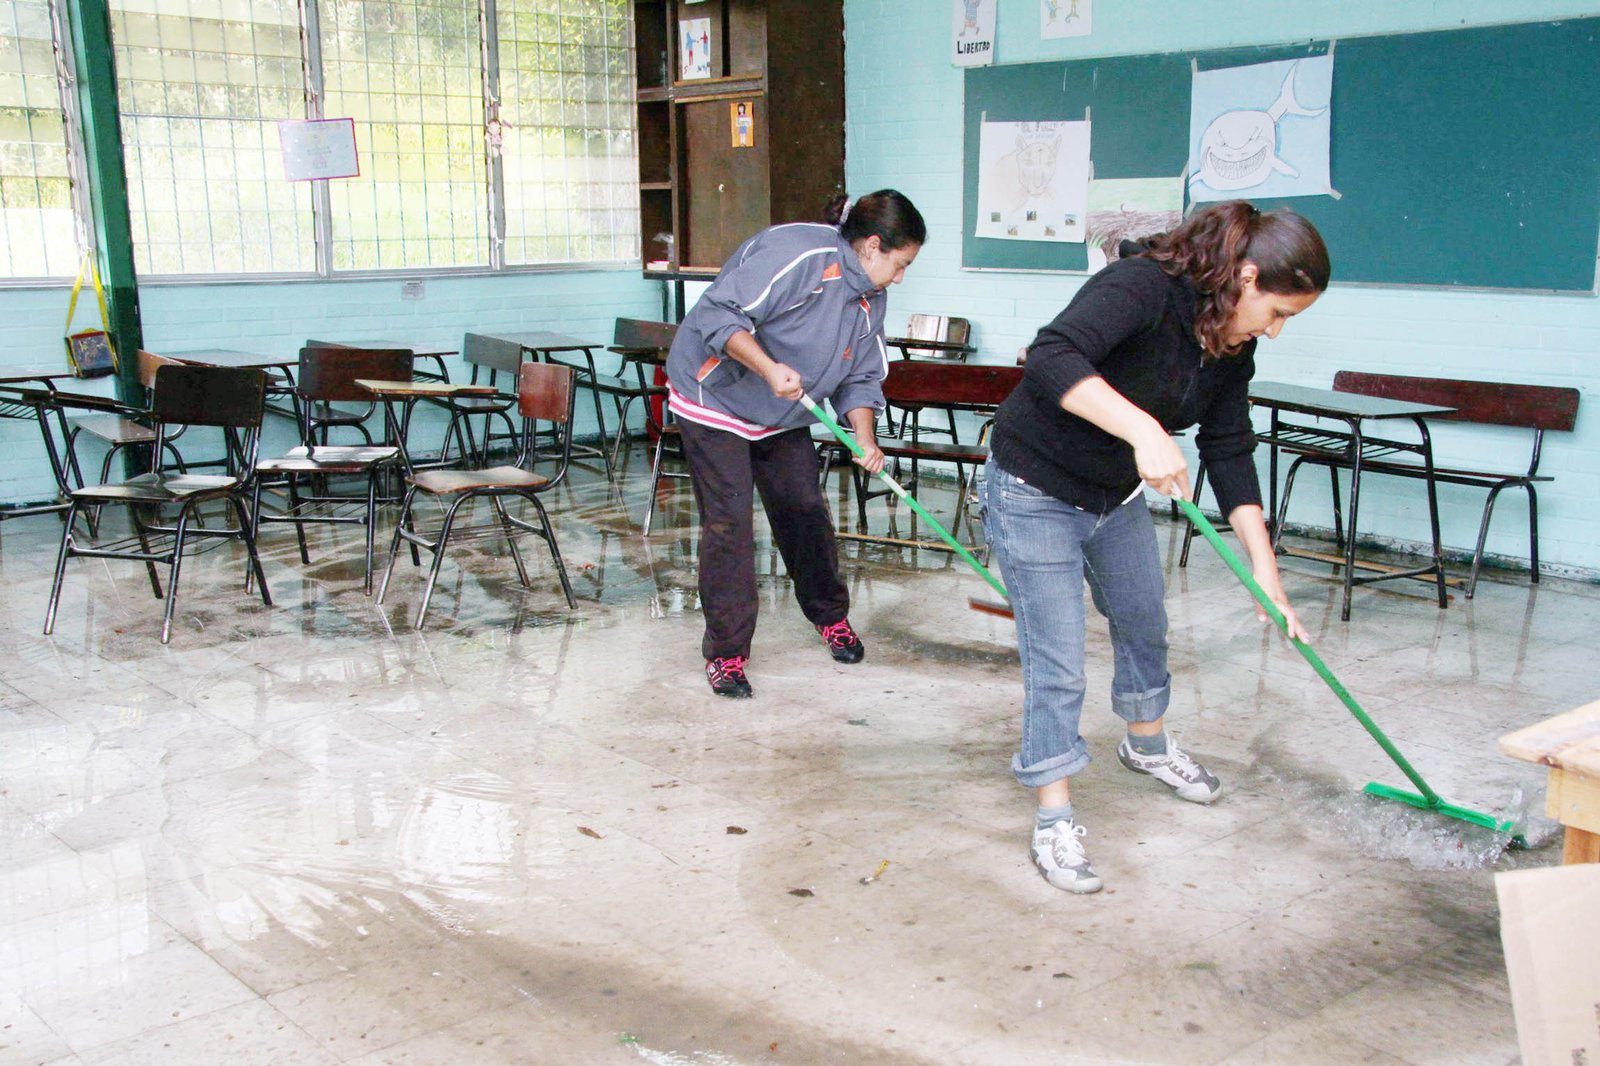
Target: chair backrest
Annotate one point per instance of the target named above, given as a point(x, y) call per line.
point(330, 372)
point(913, 384)
point(937, 328)
point(494, 354)
point(187, 395)
point(638, 334)
point(149, 363)
point(544, 392)
point(1492, 403)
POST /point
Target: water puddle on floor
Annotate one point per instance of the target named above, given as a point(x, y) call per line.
point(1389, 829)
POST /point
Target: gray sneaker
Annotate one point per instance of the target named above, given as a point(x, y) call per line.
point(1059, 855)
point(1175, 769)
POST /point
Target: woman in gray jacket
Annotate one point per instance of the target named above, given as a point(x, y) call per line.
point(798, 309)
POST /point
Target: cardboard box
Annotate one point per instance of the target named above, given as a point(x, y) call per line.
point(1550, 926)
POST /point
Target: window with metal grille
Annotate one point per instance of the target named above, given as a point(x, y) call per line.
point(36, 224)
point(410, 73)
point(202, 85)
point(570, 172)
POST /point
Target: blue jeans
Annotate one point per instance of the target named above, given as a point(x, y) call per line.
point(1046, 549)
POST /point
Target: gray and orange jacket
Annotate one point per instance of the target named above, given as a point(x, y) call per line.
point(800, 290)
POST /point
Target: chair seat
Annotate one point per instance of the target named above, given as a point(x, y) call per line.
point(159, 488)
point(116, 429)
point(450, 482)
point(328, 459)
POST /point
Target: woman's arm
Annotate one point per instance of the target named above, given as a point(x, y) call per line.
point(1161, 464)
point(1251, 528)
point(782, 378)
point(864, 423)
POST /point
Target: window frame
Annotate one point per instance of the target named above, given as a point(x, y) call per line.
point(322, 220)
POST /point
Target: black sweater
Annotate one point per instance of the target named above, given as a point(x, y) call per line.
point(1133, 325)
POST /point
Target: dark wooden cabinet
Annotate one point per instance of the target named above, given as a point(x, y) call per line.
point(754, 136)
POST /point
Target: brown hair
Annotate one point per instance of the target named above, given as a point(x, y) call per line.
point(885, 214)
point(1212, 244)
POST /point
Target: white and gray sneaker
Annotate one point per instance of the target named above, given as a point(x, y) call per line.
point(1059, 855)
point(1175, 769)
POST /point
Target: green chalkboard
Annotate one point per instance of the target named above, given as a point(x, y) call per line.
point(1463, 157)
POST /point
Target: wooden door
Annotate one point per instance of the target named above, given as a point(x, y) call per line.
point(727, 192)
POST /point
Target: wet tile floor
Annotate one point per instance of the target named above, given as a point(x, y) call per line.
point(310, 834)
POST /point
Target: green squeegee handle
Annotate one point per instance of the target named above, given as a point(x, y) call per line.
point(1242, 572)
point(849, 441)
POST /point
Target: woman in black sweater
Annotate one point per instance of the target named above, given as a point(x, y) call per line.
point(1154, 343)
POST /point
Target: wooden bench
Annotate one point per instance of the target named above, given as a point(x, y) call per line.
point(914, 386)
point(1532, 407)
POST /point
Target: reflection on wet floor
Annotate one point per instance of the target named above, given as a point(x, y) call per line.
point(309, 833)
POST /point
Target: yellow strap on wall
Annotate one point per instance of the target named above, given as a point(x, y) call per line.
point(92, 268)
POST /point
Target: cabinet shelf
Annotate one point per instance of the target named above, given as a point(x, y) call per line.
point(759, 140)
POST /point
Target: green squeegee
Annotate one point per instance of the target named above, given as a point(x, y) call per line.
point(1425, 798)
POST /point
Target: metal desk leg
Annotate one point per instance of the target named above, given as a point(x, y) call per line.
point(1355, 507)
point(1433, 510)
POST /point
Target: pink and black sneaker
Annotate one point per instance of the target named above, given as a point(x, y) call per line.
point(727, 677)
point(843, 644)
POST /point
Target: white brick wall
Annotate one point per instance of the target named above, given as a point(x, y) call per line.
point(904, 131)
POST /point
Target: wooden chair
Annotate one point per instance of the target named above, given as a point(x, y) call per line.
point(489, 357)
point(229, 399)
point(544, 394)
point(669, 436)
point(120, 426)
point(643, 345)
point(327, 375)
point(317, 417)
point(947, 340)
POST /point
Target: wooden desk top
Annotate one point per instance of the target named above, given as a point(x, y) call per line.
point(12, 374)
point(424, 388)
point(540, 340)
point(224, 357)
point(1569, 741)
point(421, 351)
point(1313, 401)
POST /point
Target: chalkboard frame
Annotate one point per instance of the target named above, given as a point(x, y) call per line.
point(1430, 195)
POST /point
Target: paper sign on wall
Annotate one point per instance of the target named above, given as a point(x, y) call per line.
point(1261, 130)
point(318, 148)
point(974, 33)
point(1033, 181)
point(742, 123)
point(694, 49)
point(1126, 209)
point(1065, 18)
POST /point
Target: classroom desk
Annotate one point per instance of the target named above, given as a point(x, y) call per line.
point(1569, 744)
point(19, 408)
point(1351, 445)
point(225, 357)
point(406, 393)
point(544, 346)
